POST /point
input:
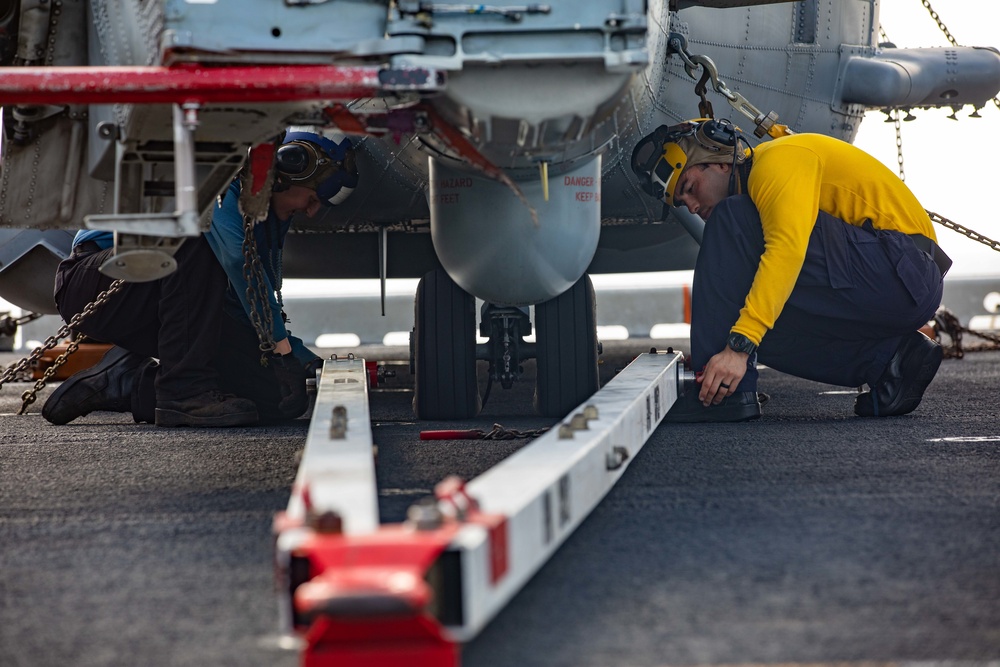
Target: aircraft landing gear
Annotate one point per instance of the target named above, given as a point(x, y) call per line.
point(443, 350)
point(567, 349)
point(506, 328)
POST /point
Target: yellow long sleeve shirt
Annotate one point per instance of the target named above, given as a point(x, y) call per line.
point(794, 178)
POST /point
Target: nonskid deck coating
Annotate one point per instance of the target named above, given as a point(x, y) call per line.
point(809, 536)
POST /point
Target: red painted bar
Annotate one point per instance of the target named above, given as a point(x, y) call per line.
point(199, 84)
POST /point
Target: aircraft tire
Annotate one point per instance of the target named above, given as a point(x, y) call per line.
point(566, 349)
point(444, 350)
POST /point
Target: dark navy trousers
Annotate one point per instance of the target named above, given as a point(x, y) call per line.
point(860, 290)
point(176, 319)
point(179, 319)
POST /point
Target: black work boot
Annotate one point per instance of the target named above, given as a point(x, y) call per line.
point(212, 408)
point(105, 386)
point(144, 393)
point(902, 384)
point(740, 407)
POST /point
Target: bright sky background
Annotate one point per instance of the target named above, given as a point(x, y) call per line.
point(952, 166)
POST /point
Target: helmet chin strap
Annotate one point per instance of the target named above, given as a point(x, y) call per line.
point(733, 183)
point(736, 179)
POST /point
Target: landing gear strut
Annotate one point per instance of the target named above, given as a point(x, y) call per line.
point(506, 328)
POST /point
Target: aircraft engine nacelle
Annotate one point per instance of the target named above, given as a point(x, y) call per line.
point(924, 77)
point(490, 244)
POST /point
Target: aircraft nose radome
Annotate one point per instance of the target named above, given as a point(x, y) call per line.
point(923, 77)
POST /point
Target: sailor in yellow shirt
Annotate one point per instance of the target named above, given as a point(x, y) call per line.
point(816, 260)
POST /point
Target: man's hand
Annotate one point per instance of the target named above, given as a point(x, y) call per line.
point(725, 368)
point(283, 346)
point(290, 376)
point(313, 367)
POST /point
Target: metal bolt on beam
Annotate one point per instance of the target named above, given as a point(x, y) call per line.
point(617, 457)
point(578, 422)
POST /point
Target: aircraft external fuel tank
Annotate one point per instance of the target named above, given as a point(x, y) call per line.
point(490, 244)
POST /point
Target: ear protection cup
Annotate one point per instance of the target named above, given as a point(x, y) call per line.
point(717, 134)
point(721, 135)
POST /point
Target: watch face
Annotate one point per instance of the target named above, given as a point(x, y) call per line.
point(741, 343)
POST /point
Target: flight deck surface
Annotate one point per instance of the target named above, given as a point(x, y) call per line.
point(809, 536)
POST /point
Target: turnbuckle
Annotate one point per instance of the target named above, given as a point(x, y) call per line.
point(765, 123)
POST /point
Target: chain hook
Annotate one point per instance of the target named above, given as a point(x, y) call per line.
point(705, 109)
point(30, 396)
point(708, 66)
point(765, 123)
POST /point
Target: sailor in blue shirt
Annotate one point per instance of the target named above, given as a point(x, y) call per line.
point(186, 351)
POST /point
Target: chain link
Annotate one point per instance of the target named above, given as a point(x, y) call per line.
point(947, 34)
point(31, 395)
point(941, 25)
point(501, 433)
point(765, 123)
point(899, 143)
point(947, 322)
point(256, 292)
point(22, 369)
point(24, 365)
point(935, 217)
point(954, 226)
point(9, 324)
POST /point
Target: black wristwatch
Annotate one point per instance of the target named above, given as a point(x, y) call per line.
point(741, 343)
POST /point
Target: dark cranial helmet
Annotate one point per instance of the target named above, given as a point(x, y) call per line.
point(318, 163)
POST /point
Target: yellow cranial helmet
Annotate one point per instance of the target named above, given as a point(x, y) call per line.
point(660, 158)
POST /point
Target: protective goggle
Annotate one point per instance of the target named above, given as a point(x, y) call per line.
point(301, 162)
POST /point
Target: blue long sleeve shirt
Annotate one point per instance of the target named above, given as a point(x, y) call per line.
point(225, 236)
